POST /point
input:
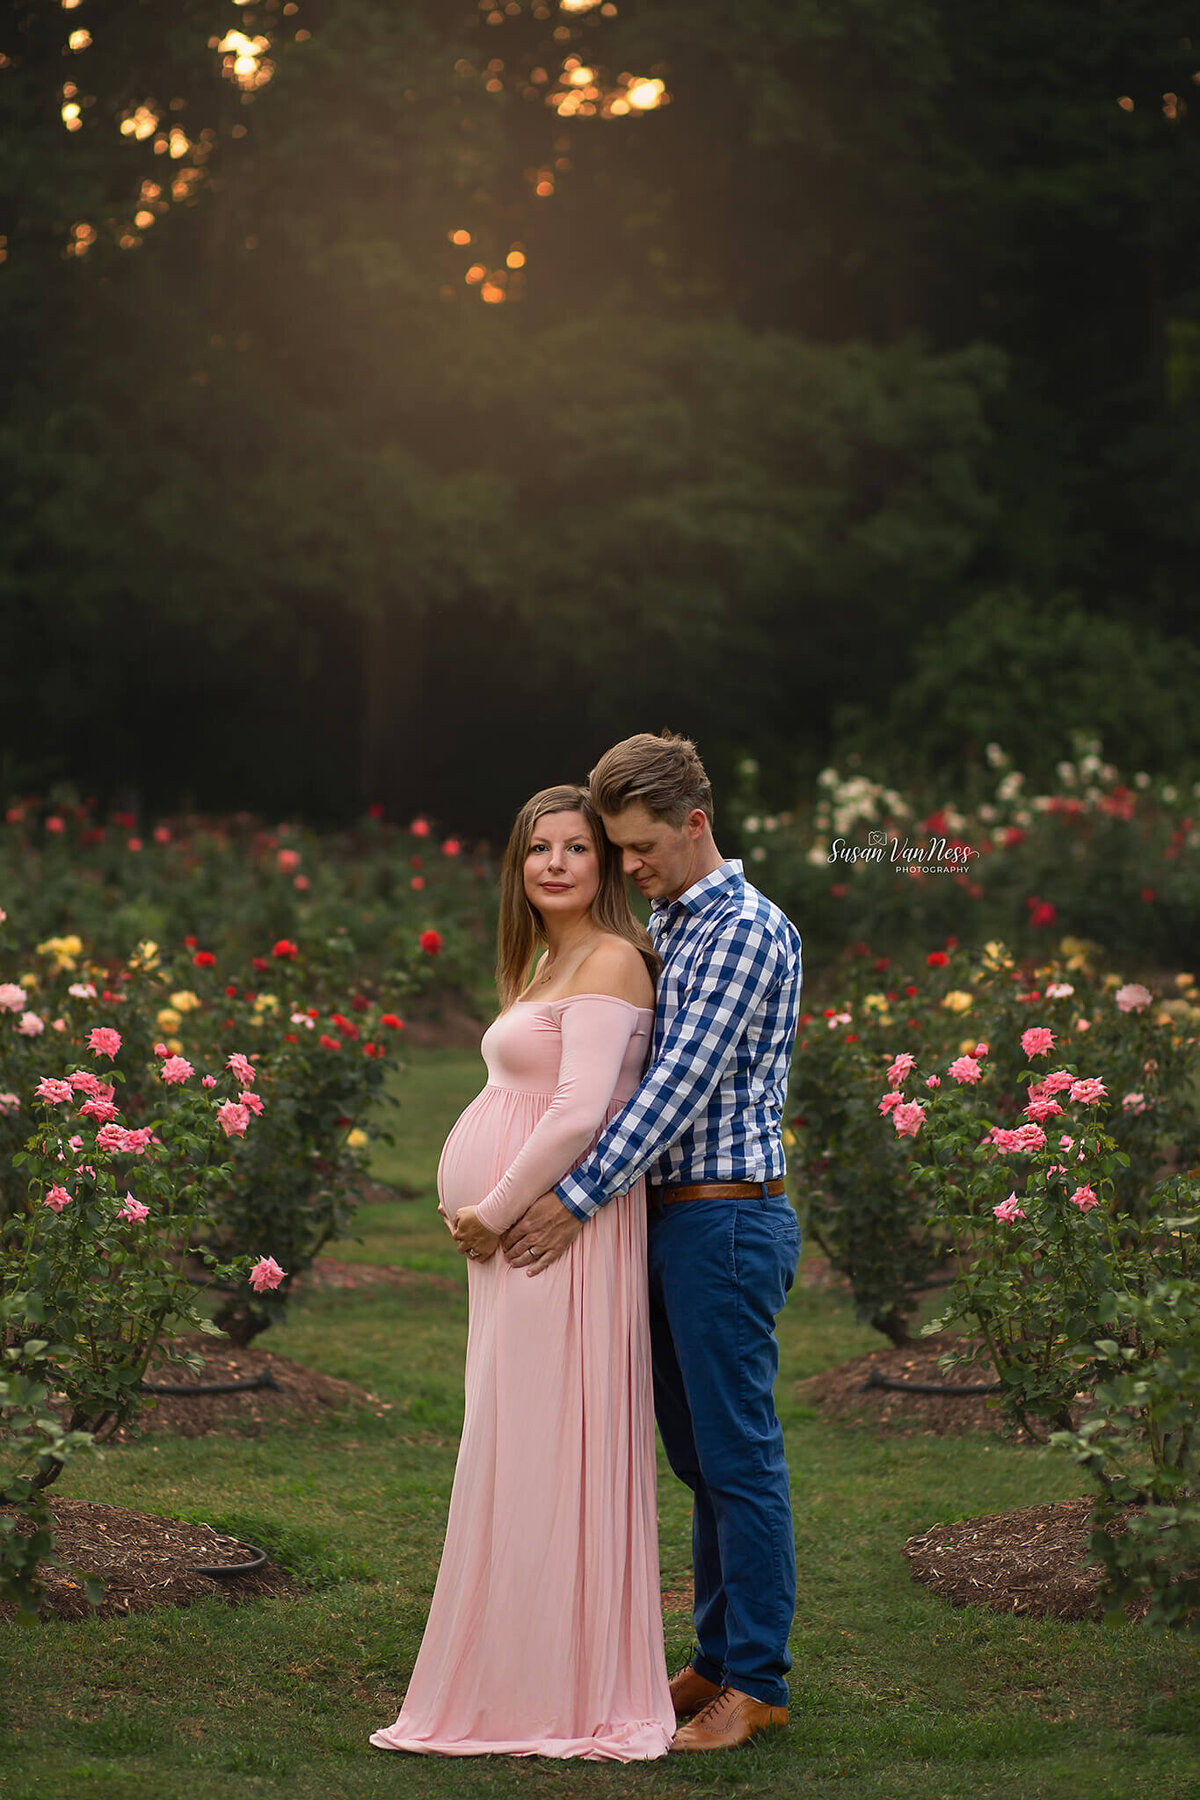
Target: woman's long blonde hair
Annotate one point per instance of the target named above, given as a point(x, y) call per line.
point(521, 930)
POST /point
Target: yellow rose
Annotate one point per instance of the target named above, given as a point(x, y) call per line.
point(174, 1045)
point(875, 1003)
point(1184, 982)
point(266, 1003)
point(168, 1019)
point(357, 1139)
point(185, 1001)
point(145, 955)
point(995, 956)
point(958, 1000)
point(29, 982)
point(966, 1046)
point(64, 950)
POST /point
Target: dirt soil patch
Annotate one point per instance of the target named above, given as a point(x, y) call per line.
point(144, 1562)
point(1033, 1561)
point(328, 1274)
point(845, 1392)
point(295, 1394)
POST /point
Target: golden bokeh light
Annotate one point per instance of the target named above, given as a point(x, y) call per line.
point(143, 219)
point(491, 293)
point(577, 6)
point(475, 273)
point(79, 40)
point(141, 123)
point(244, 59)
point(460, 237)
point(1125, 103)
point(646, 94)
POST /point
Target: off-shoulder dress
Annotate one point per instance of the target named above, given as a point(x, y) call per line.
point(544, 1635)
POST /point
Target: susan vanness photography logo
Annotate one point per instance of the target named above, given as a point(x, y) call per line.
point(932, 856)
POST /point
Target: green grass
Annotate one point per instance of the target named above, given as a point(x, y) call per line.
point(894, 1695)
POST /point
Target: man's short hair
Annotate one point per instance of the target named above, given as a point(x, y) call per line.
point(663, 774)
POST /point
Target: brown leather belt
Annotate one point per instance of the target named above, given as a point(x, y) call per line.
point(715, 1190)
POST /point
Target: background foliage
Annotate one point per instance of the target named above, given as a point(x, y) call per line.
point(852, 391)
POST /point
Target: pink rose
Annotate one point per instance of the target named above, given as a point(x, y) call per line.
point(82, 990)
point(933, 1081)
point(1088, 1092)
point(1024, 1138)
point(1084, 1198)
point(903, 1065)
point(233, 1119)
point(133, 1211)
point(31, 1025)
point(266, 1274)
point(1135, 1103)
point(1008, 1210)
point(964, 1068)
point(136, 1142)
point(241, 1068)
point(1037, 1041)
point(176, 1069)
point(1059, 990)
point(9, 1104)
point(48, 1088)
point(104, 1040)
point(57, 1198)
point(287, 861)
point(100, 1110)
point(1133, 997)
point(1043, 1108)
point(890, 1101)
point(110, 1137)
point(251, 1101)
point(208, 1081)
point(980, 1049)
point(1056, 1083)
point(12, 997)
point(301, 883)
point(908, 1119)
point(161, 1050)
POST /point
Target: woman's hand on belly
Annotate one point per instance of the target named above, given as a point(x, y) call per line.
point(472, 1238)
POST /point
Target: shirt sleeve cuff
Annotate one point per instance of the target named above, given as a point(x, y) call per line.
point(577, 1198)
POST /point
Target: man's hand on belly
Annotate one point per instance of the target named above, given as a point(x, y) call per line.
point(541, 1235)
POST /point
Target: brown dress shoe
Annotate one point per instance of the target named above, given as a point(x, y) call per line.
point(689, 1692)
point(729, 1719)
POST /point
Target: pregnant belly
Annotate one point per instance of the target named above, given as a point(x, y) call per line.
point(483, 1143)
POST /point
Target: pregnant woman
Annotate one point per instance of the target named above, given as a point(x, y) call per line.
point(545, 1631)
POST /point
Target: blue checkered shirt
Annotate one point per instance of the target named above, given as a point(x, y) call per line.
point(710, 1105)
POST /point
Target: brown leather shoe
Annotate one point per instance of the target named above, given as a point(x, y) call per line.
point(729, 1719)
point(689, 1691)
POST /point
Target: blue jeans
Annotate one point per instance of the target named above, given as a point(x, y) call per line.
point(720, 1271)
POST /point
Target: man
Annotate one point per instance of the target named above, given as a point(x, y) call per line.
point(705, 1128)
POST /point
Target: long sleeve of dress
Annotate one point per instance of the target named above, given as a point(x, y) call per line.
point(596, 1029)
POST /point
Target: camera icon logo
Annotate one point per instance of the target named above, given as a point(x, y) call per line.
point(876, 840)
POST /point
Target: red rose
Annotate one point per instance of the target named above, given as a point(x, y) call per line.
point(231, 993)
point(937, 959)
point(392, 1022)
point(911, 992)
point(204, 959)
point(289, 1037)
point(359, 1002)
point(260, 963)
point(882, 963)
point(329, 1043)
point(285, 947)
point(431, 942)
point(190, 943)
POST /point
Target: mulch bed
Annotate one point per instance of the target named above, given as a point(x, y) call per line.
point(301, 1394)
point(144, 1561)
point(1032, 1562)
point(840, 1394)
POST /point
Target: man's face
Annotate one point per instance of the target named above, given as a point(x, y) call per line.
point(659, 857)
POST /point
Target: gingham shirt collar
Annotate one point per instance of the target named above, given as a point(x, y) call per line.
point(704, 894)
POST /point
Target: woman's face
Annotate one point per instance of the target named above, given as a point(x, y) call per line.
point(562, 866)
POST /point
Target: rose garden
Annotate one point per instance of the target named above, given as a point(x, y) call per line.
point(233, 1322)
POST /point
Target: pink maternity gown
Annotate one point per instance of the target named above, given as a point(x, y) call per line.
point(545, 1631)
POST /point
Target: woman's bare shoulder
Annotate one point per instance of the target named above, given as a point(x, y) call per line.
point(615, 967)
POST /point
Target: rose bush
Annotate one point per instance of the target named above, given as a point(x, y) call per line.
point(234, 885)
point(1109, 858)
point(947, 1040)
